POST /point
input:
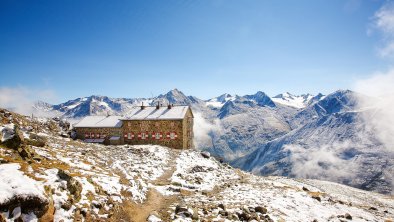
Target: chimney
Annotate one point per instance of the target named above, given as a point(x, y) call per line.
point(142, 106)
point(169, 106)
point(158, 105)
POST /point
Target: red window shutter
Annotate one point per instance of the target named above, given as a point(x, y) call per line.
point(125, 135)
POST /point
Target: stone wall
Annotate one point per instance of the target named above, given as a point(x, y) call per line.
point(108, 131)
point(188, 130)
point(132, 131)
point(150, 128)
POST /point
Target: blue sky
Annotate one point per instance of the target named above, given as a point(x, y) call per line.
point(204, 48)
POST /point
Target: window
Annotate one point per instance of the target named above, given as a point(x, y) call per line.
point(144, 136)
point(130, 136)
point(157, 135)
point(173, 135)
point(86, 135)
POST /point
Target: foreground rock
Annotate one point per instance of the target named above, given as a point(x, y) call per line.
point(11, 136)
point(17, 191)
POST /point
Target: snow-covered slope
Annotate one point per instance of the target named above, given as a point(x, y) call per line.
point(219, 101)
point(332, 144)
point(76, 181)
point(293, 100)
point(261, 134)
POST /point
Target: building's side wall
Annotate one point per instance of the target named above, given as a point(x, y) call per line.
point(109, 131)
point(136, 127)
point(188, 130)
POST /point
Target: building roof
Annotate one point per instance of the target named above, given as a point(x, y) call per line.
point(152, 113)
point(100, 121)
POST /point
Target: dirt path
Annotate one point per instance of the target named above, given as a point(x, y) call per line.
point(155, 201)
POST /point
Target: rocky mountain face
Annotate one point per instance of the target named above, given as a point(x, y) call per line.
point(274, 136)
point(47, 176)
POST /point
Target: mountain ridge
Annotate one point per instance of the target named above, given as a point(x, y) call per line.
point(258, 134)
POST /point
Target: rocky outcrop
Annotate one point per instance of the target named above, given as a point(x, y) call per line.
point(36, 140)
point(11, 136)
point(74, 186)
point(27, 204)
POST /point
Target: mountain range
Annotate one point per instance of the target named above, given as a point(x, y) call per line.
point(308, 136)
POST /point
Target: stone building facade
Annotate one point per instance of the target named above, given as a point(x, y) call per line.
point(170, 126)
point(100, 129)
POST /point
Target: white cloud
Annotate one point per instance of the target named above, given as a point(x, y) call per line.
point(380, 87)
point(21, 99)
point(203, 130)
point(383, 22)
point(321, 163)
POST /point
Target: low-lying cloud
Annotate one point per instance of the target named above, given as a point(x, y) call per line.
point(379, 105)
point(324, 162)
point(203, 130)
point(21, 99)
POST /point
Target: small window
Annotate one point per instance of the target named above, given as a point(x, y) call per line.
point(173, 135)
point(158, 136)
point(144, 136)
point(130, 136)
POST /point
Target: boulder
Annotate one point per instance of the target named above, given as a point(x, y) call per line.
point(260, 209)
point(36, 140)
point(205, 154)
point(24, 152)
point(348, 216)
point(243, 216)
point(221, 205)
point(318, 198)
point(195, 215)
point(12, 137)
point(27, 204)
point(197, 169)
point(74, 186)
point(180, 209)
point(223, 213)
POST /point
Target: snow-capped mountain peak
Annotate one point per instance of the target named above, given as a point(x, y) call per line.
point(219, 101)
point(296, 101)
